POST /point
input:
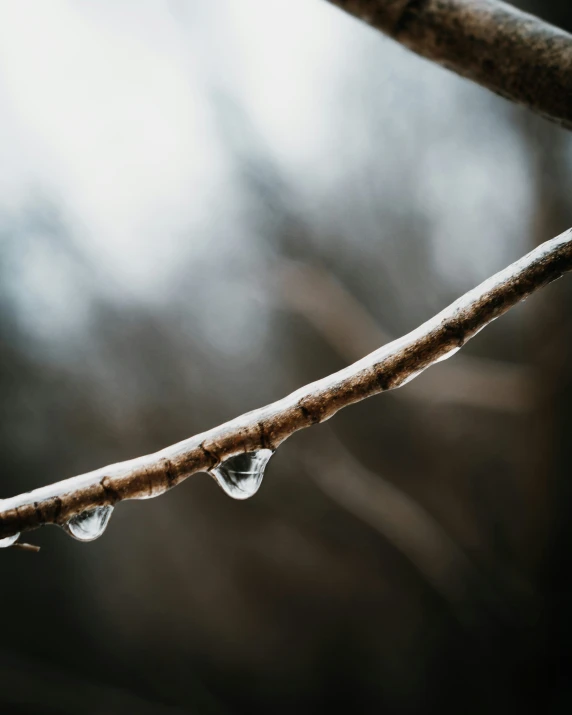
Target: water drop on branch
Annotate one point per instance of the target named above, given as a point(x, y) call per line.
point(9, 541)
point(89, 525)
point(241, 476)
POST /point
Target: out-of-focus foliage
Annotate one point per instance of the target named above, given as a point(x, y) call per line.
point(202, 207)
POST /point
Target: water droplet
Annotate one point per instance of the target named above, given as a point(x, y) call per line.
point(241, 476)
point(89, 525)
point(9, 541)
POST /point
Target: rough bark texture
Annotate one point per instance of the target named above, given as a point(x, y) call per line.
point(385, 369)
point(505, 50)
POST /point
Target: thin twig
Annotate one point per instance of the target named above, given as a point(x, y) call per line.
point(350, 329)
point(26, 547)
point(391, 366)
point(510, 52)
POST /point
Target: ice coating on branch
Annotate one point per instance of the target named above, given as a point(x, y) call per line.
point(146, 475)
point(410, 377)
point(89, 525)
point(447, 355)
point(9, 541)
point(241, 476)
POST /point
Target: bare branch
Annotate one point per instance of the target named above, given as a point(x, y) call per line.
point(505, 50)
point(26, 547)
point(389, 367)
point(350, 329)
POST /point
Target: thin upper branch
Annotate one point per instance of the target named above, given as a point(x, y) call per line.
point(510, 52)
point(266, 428)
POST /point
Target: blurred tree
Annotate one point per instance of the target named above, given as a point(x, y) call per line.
point(306, 598)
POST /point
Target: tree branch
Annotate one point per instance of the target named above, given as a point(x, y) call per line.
point(350, 329)
point(510, 52)
point(389, 367)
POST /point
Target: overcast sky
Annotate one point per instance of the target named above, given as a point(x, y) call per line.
point(109, 112)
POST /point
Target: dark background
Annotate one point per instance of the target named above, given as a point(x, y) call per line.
point(412, 554)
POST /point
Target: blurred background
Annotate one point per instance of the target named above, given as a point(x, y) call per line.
point(203, 206)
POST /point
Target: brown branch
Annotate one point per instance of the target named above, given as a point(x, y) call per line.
point(389, 367)
point(350, 329)
point(26, 547)
point(501, 48)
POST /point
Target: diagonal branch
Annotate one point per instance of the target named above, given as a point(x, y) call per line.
point(390, 366)
point(349, 328)
point(510, 52)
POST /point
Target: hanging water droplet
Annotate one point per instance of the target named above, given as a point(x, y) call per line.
point(241, 476)
point(9, 541)
point(89, 525)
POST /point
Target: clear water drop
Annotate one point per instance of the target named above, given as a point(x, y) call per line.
point(89, 525)
point(241, 476)
point(9, 541)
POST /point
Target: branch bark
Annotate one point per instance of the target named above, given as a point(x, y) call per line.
point(390, 367)
point(510, 52)
point(349, 328)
